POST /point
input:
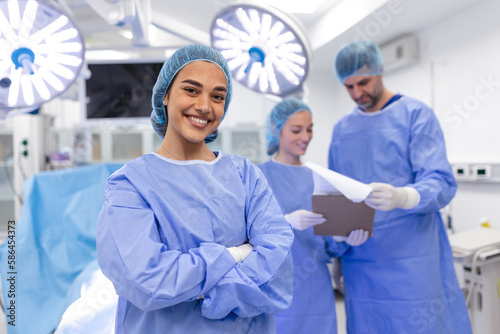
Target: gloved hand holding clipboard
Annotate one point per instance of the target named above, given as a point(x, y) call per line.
point(340, 200)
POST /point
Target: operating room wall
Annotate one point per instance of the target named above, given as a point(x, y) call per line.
point(458, 74)
point(465, 51)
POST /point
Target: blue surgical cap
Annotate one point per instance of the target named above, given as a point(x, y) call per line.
point(170, 68)
point(361, 58)
point(277, 118)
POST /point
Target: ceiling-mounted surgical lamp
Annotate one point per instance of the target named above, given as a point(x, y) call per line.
point(137, 13)
point(41, 54)
point(265, 48)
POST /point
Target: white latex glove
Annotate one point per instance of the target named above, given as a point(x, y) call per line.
point(240, 252)
point(355, 237)
point(386, 197)
point(302, 219)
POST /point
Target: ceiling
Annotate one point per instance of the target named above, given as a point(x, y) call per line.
point(181, 22)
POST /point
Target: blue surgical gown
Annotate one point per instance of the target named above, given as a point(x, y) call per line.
point(402, 280)
point(162, 236)
point(313, 306)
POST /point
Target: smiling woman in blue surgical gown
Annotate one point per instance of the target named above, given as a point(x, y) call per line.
point(288, 133)
point(193, 240)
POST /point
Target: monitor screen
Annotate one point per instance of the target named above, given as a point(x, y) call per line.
point(120, 90)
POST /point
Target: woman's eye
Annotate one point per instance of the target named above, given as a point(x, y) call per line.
point(220, 97)
point(296, 131)
point(190, 90)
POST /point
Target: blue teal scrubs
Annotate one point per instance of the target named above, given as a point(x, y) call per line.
point(162, 236)
point(402, 280)
point(313, 306)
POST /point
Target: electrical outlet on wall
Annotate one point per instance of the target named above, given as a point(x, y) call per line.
point(461, 171)
point(481, 172)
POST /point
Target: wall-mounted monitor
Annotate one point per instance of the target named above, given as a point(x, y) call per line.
point(120, 90)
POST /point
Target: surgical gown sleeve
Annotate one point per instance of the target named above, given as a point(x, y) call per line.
point(433, 176)
point(142, 268)
point(335, 249)
point(408, 149)
point(262, 283)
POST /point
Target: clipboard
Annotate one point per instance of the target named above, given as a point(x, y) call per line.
point(342, 215)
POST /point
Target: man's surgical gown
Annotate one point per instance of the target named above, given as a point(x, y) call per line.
point(162, 236)
point(401, 280)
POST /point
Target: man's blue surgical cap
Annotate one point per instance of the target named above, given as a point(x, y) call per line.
point(277, 118)
point(361, 58)
point(171, 67)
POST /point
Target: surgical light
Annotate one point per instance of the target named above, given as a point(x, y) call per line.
point(265, 49)
point(41, 53)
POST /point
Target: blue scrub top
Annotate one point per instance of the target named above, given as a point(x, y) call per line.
point(402, 280)
point(162, 236)
point(313, 306)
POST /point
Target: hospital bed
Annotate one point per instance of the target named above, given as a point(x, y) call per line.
point(55, 248)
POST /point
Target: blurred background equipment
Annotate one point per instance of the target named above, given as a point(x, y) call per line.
point(41, 55)
point(477, 260)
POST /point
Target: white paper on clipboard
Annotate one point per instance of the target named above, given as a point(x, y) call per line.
point(328, 182)
point(340, 199)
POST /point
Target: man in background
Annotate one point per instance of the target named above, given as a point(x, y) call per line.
point(401, 280)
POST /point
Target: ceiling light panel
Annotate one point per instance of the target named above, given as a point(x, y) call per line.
point(265, 49)
point(41, 53)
